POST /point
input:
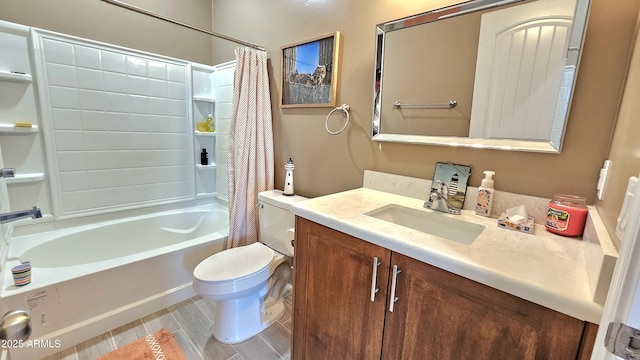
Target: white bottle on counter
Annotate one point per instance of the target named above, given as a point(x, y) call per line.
point(485, 194)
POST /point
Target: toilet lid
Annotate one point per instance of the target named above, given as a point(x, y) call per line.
point(234, 263)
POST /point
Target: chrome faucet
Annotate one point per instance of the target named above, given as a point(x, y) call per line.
point(33, 213)
point(438, 200)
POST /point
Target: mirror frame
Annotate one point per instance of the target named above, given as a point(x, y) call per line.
point(541, 146)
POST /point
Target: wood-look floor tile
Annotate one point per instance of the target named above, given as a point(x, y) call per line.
point(199, 330)
point(207, 306)
point(189, 350)
point(160, 319)
point(256, 349)
point(278, 337)
point(93, 348)
point(129, 333)
point(66, 354)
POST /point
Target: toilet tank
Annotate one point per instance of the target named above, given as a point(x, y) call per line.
point(275, 219)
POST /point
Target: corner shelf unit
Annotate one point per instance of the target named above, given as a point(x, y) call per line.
point(204, 103)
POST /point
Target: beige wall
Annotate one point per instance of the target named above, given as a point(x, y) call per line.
point(625, 148)
point(326, 164)
point(98, 20)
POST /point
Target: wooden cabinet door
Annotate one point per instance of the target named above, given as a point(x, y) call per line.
point(333, 315)
point(440, 315)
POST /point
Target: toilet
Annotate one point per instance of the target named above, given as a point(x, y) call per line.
point(249, 282)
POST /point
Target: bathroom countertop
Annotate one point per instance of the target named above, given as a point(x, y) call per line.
point(544, 268)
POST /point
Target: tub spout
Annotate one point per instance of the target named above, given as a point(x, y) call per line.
point(33, 213)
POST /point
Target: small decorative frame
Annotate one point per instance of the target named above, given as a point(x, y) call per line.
point(454, 178)
point(309, 72)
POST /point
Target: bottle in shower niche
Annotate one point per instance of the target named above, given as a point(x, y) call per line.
point(211, 124)
point(484, 203)
point(204, 158)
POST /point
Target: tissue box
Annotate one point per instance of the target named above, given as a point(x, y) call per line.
point(527, 227)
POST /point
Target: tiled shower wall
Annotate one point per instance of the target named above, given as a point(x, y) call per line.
point(117, 123)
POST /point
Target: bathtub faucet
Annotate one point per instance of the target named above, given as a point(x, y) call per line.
point(33, 213)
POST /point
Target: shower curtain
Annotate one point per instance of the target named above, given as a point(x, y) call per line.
point(250, 153)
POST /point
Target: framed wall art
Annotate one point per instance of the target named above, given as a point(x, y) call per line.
point(310, 72)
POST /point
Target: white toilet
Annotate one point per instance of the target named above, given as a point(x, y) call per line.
point(249, 281)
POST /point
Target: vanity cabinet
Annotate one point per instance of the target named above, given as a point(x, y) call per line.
point(342, 309)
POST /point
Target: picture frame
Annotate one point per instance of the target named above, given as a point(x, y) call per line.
point(453, 178)
point(309, 72)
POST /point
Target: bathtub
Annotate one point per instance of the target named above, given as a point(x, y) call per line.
point(90, 278)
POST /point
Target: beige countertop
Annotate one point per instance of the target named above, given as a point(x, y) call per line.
point(544, 268)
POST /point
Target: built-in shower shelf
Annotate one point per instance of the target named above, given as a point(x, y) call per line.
point(12, 129)
point(205, 167)
point(205, 133)
point(25, 178)
point(208, 99)
point(15, 77)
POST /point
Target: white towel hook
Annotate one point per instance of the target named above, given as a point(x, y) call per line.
point(345, 110)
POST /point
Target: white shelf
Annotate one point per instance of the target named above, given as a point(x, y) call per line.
point(11, 128)
point(205, 133)
point(25, 178)
point(204, 99)
point(15, 77)
point(205, 167)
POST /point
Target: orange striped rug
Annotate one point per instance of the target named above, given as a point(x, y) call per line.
point(159, 346)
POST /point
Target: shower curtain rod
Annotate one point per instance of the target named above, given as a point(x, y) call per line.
point(161, 17)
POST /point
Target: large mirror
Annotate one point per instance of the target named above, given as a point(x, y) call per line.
point(494, 74)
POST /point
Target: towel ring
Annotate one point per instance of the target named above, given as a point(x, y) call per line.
point(345, 109)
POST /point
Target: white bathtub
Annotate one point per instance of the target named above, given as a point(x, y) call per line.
point(90, 278)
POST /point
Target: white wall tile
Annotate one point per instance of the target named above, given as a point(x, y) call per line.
point(158, 106)
point(90, 79)
point(177, 91)
point(66, 98)
point(136, 66)
point(62, 75)
point(66, 119)
point(112, 61)
point(97, 160)
point(95, 140)
point(115, 102)
point(137, 85)
point(59, 52)
point(115, 82)
point(158, 88)
point(68, 140)
point(117, 121)
point(91, 99)
point(157, 70)
point(87, 57)
point(176, 73)
point(100, 179)
point(94, 120)
point(176, 108)
point(71, 161)
point(137, 104)
point(120, 124)
point(74, 181)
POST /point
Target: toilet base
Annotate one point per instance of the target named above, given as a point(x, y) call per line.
point(240, 319)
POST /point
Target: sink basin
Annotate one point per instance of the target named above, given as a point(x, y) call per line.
point(432, 223)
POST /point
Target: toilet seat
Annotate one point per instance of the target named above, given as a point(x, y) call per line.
point(234, 270)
